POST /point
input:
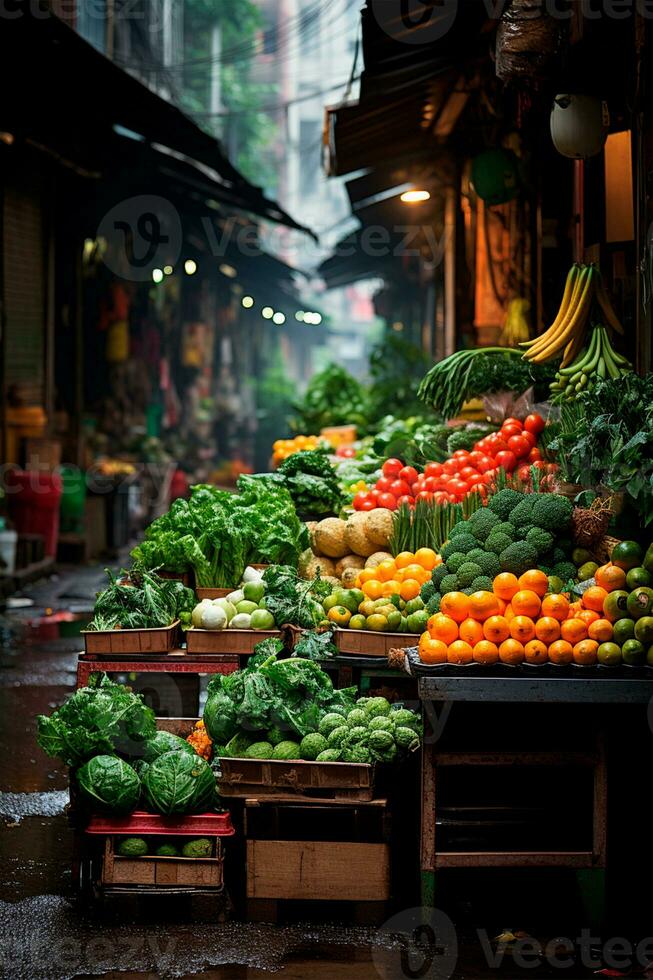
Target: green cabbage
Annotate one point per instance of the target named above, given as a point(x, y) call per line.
point(165, 742)
point(311, 746)
point(179, 783)
point(286, 750)
point(107, 783)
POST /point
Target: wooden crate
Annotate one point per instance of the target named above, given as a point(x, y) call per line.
point(364, 643)
point(146, 641)
point(280, 780)
point(227, 641)
point(318, 870)
point(212, 593)
point(162, 872)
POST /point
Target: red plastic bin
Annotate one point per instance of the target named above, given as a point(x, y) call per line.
point(193, 825)
point(33, 500)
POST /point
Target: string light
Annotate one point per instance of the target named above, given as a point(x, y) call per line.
point(157, 275)
point(228, 270)
point(415, 196)
point(190, 267)
point(168, 270)
point(299, 315)
point(279, 318)
point(247, 302)
point(267, 312)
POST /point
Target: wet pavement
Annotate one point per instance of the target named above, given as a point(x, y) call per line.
point(46, 933)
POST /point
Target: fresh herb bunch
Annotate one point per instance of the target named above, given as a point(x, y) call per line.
point(606, 437)
point(473, 373)
point(311, 481)
point(140, 600)
point(293, 600)
point(333, 397)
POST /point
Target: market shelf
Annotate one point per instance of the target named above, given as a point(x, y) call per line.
point(176, 662)
point(573, 688)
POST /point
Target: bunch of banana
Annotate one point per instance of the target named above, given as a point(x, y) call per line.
point(598, 360)
point(568, 329)
point(515, 329)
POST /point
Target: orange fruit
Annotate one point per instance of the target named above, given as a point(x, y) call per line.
point(585, 652)
point(536, 652)
point(594, 597)
point(486, 652)
point(511, 652)
point(426, 557)
point(574, 609)
point(522, 628)
point(534, 581)
point(496, 628)
point(385, 570)
point(573, 630)
point(471, 631)
point(443, 628)
point(416, 572)
point(367, 574)
point(409, 589)
point(482, 605)
point(600, 630)
point(556, 605)
point(561, 652)
point(393, 588)
point(508, 612)
point(505, 585)
point(431, 651)
point(547, 629)
point(456, 605)
point(610, 577)
point(404, 558)
point(460, 652)
point(372, 589)
point(587, 615)
point(526, 603)
point(502, 605)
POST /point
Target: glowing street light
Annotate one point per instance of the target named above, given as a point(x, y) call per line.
point(279, 318)
point(157, 275)
point(190, 267)
point(415, 196)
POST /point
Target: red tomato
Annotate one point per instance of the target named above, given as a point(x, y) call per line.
point(506, 459)
point(485, 464)
point(513, 421)
point(424, 495)
point(383, 484)
point(552, 468)
point(476, 457)
point(440, 497)
point(497, 445)
point(457, 486)
point(461, 454)
point(363, 497)
point(431, 483)
point(368, 505)
point(451, 466)
point(475, 479)
point(467, 471)
point(530, 437)
point(399, 488)
point(375, 493)
point(509, 429)
point(406, 499)
point(539, 464)
point(409, 474)
point(433, 469)
point(534, 455)
point(524, 474)
point(392, 467)
point(534, 423)
point(387, 500)
point(519, 446)
point(345, 452)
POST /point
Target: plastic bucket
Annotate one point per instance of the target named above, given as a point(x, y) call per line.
point(33, 499)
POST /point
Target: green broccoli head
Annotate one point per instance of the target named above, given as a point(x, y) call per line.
point(559, 554)
point(505, 527)
point(518, 558)
point(467, 572)
point(551, 511)
point(427, 591)
point(565, 570)
point(503, 502)
point(521, 516)
point(459, 528)
point(498, 542)
point(468, 590)
point(481, 523)
point(455, 561)
point(488, 561)
point(449, 584)
point(438, 574)
point(433, 605)
point(539, 539)
point(461, 544)
point(482, 583)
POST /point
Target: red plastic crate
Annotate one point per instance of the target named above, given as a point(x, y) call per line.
point(193, 825)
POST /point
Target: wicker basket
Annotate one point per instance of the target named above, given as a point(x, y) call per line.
point(604, 548)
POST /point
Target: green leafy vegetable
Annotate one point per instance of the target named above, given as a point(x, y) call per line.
point(316, 646)
point(109, 784)
point(333, 397)
point(293, 600)
point(177, 782)
point(140, 600)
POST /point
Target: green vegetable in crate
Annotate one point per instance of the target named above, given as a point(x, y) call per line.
point(406, 738)
point(238, 745)
point(177, 782)
point(165, 742)
point(382, 723)
point(377, 706)
point(140, 600)
point(356, 753)
point(275, 736)
point(109, 784)
point(134, 847)
point(329, 722)
point(380, 741)
point(167, 851)
point(287, 751)
point(259, 750)
point(201, 847)
point(311, 746)
point(337, 737)
point(356, 734)
point(329, 755)
point(357, 716)
point(405, 718)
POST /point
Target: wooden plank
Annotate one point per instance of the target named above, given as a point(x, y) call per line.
point(545, 690)
point(600, 817)
point(318, 870)
point(427, 859)
point(516, 758)
point(227, 641)
point(514, 859)
point(363, 643)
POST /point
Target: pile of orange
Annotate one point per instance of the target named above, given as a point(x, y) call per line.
point(519, 621)
point(283, 448)
point(403, 576)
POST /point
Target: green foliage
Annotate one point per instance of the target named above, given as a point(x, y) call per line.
point(311, 481)
point(165, 742)
point(396, 366)
point(333, 397)
point(108, 784)
point(140, 600)
point(179, 783)
point(293, 600)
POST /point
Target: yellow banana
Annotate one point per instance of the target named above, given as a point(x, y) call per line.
point(572, 278)
point(605, 303)
point(572, 350)
point(575, 324)
point(544, 341)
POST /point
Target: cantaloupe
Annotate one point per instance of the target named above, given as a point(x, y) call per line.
point(356, 535)
point(330, 537)
point(379, 526)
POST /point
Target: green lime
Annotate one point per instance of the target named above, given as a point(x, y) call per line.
point(357, 622)
point(417, 621)
point(556, 585)
point(633, 653)
point(403, 628)
point(627, 555)
point(609, 654)
point(414, 605)
point(644, 630)
point(347, 599)
point(376, 623)
point(622, 630)
point(637, 577)
point(394, 621)
point(386, 610)
point(640, 602)
point(615, 605)
point(587, 571)
point(358, 595)
point(330, 602)
point(367, 608)
point(580, 555)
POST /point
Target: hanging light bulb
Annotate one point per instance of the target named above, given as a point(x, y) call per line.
point(415, 196)
point(267, 312)
point(247, 302)
point(190, 267)
point(279, 318)
point(157, 275)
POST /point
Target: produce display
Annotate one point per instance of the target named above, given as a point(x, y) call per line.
point(140, 600)
point(135, 847)
point(283, 448)
point(333, 397)
point(310, 480)
point(289, 710)
point(596, 361)
point(243, 609)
